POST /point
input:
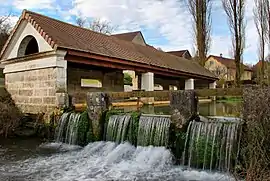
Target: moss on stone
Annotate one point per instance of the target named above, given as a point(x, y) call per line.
point(83, 129)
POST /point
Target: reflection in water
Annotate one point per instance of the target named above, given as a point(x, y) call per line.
point(227, 109)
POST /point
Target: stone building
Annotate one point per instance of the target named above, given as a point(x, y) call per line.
point(48, 61)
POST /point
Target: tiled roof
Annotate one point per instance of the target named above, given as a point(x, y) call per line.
point(259, 64)
point(127, 36)
point(63, 35)
point(179, 53)
point(228, 62)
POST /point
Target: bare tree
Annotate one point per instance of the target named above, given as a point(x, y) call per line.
point(201, 16)
point(96, 25)
point(235, 10)
point(261, 19)
point(80, 22)
point(219, 71)
point(4, 30)
point(160, 49)
point(103, 27)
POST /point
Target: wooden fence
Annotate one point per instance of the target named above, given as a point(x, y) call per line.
point(2, 82)
point(166, 94)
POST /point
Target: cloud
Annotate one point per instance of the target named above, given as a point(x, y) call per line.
point(165, 23)
point(167, 20)
point(33, 4)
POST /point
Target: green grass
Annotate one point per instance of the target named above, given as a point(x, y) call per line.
point(229, 99)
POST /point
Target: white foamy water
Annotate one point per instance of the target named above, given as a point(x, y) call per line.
point(102, 161)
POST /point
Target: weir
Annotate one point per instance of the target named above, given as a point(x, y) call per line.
point(67, 129)
point(118, 128)
point(153, 130)
point(211, 145)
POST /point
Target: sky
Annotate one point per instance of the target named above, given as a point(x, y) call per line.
point(164, 23)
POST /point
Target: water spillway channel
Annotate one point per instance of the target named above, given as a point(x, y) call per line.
point(133, 149)
point(211, 145)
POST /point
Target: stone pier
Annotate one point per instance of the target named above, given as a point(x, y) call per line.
point(183, 107)
point(97, 105)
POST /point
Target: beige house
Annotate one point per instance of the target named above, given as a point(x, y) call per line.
point(225, 69)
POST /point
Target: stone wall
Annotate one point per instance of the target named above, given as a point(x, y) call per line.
point(33, 91)
point(37, 83)
point(112, 80)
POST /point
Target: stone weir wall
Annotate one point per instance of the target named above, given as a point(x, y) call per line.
point(183, 109)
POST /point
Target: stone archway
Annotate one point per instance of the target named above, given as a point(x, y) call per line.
point(28, 46)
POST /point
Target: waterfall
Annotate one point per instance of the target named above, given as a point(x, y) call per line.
point(153, 130)
point(212, 145)
point(106, 161)
point(67, 129)
point(117, 128)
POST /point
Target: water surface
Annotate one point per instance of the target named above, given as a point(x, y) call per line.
point(102, 161)
point(214, 108)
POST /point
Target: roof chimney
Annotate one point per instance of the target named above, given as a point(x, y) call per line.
point(221, 55)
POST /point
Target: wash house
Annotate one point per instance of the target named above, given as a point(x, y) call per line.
point(47, 61)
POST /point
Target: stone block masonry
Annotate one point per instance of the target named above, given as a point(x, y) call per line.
point(33, 91)
point(38, 84)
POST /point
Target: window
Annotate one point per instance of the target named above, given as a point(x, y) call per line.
point(28, 46)
point(211, 62)
point(91, 83)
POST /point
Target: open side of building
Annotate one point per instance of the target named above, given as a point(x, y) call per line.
point(48, 61)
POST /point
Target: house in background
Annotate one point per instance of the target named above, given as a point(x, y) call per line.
point(181, 53)
point(257, 72)
point(225, 68)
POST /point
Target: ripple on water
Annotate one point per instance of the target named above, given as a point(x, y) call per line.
point(106, 161)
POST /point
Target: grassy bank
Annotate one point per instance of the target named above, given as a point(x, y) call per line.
point(230, 99)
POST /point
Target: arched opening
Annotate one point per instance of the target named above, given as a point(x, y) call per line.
point(28, 46)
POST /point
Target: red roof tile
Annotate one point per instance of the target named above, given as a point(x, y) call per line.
point(64, 35)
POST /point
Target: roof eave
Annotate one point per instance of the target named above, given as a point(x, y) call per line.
point(86, 54)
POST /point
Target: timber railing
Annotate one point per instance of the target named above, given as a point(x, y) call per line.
point(166, 94)
point(2, 82)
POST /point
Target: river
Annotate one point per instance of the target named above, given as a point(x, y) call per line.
point(34, 160)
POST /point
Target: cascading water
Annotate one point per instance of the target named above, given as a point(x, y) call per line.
point(105, 161)
point(117, 128)
point(67, 129)
point(211, 145)
point(153, 130)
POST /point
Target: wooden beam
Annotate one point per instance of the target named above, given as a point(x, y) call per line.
point(165, 94)
point(73, 55)
point(219, 92)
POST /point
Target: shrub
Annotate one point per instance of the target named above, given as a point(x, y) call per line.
point(254, 162)
point(10, 115)
point(127, 79)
